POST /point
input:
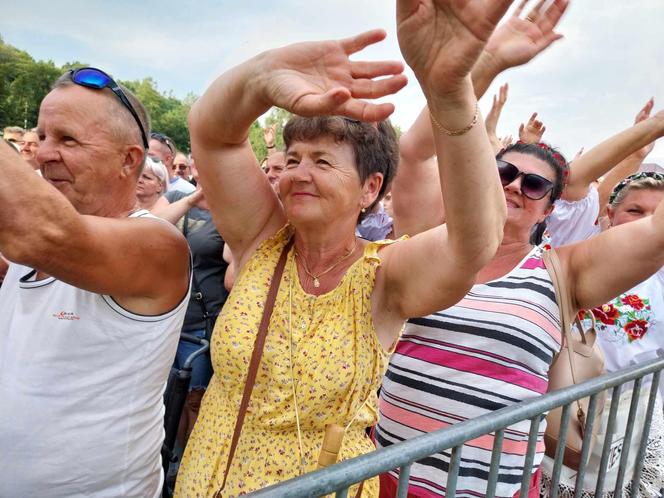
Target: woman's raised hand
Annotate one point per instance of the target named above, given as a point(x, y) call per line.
point(520, 39)
point(318, 78)
point(442, 39)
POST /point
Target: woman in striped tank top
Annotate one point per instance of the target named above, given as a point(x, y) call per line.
point(494, 348)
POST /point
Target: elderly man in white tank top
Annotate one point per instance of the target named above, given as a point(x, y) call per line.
point(92, 303)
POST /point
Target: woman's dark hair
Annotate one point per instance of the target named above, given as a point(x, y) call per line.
point(558, 164)
point(375, 147)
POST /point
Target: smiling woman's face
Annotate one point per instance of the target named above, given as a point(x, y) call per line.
point(637, 204)
point(522, 211)
point(320, 183)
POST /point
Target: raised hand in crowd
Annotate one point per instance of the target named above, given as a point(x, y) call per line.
point(627, 148)
point(518, 40)
point(532, 131)
point(491, 120)
point(270, 137)
point(514, 43)
point(578, 154)
point(506, 141)
point(627, 166)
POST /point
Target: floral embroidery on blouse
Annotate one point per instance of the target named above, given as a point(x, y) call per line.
point(626, 317)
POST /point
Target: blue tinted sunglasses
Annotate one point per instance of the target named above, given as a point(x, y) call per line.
point(91, 77)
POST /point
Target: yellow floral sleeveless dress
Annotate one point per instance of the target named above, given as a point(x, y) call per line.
point(338, 365)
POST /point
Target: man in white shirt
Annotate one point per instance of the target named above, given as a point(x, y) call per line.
point(92, 303)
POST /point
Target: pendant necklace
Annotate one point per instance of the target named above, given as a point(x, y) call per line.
point(338, 262)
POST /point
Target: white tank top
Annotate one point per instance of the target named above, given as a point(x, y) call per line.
point(81, 387)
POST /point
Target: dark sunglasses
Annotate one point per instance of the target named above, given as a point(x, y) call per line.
point(532, 186)
point(164, 140)
point(92, 77)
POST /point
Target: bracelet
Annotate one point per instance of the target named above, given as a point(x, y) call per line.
point(270, 146)
point(462, 131)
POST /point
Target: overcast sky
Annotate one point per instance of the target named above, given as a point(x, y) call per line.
point(586, 87)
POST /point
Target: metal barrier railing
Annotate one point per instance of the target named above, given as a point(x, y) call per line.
point(338, 478)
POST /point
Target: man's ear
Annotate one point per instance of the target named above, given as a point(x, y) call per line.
point(133, 161)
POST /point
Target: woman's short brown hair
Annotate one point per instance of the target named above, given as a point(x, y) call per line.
point(375, 147)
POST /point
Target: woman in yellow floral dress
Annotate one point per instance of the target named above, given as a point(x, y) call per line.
point(341, 302)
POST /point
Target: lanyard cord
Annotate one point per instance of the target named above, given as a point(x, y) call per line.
point(293, 275)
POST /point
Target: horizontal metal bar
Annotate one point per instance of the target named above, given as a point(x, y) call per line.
point(363, 467)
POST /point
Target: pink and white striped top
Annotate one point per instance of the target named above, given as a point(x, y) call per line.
point(491, 350)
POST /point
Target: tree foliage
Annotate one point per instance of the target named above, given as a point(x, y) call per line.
point(276, 116)
point(24, 82)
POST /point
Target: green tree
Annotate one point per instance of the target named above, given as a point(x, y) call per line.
point(23, 85)
point(168, 115)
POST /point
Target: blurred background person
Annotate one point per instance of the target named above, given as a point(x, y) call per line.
point(13, 134)
point(152, 184)
point(29, 147)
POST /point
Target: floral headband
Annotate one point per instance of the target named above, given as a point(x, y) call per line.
point(633, 178)
point(557, 156)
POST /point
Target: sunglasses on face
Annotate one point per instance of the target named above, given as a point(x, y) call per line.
point(160, 137)
point(91, 77)
point(533, 186)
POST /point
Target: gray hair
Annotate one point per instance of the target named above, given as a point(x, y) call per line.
point(157, 168)
point(13, 129)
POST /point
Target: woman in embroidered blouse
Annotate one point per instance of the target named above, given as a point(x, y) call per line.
point(494, 348)
point(341, 303)
point(630, 330)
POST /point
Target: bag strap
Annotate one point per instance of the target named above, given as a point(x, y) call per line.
point(564, 299)
point(256, 355)
point(198, 293)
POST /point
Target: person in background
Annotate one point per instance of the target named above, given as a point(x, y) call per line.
point(575, 216)
point(13, 134)
point(181, 166)
point(630, 330)
point(29, 147)
point(163, 148)
point(275, 162)
point(152, 183)
point(190, 213)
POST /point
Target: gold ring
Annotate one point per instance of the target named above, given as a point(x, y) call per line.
point(530, 19)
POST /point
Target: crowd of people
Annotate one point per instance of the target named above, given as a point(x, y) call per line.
point(355, 282)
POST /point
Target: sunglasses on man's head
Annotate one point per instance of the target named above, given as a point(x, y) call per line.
point(91, 77)
point(532, 186)
point(160, 137)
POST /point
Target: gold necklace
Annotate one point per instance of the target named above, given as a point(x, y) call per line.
point(338, 262)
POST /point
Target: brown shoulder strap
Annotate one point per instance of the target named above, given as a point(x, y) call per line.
point(552, 263)
point(256, 356)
